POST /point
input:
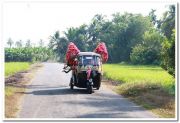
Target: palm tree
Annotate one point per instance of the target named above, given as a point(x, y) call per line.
point(19, 44)
point(41, 43)
point(28, 43)
point(10, 42)
point(58, 44)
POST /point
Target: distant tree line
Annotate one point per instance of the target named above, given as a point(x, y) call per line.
point(28, 52)
point(20, 43)
point(131, 38)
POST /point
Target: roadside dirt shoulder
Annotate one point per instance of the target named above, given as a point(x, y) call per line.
point(15, 86)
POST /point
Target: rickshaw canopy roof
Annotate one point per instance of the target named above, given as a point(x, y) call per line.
point(88, 53)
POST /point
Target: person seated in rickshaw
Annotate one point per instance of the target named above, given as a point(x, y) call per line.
point(88, 61)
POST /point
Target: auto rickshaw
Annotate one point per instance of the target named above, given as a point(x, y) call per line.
point(86, 67)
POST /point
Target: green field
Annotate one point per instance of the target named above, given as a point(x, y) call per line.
point(140, 76)
point(14, 67)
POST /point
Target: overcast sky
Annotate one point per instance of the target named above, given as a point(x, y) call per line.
point(39, 20)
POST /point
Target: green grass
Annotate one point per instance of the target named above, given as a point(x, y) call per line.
point(134, 76)
point(149, 86)
point(15, 89)
point(9, 90)
point(14, 67)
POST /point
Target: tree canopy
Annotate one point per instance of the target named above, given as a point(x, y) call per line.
point(131, 38)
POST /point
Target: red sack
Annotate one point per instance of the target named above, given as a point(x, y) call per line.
point(71, 54)
point(102, 50)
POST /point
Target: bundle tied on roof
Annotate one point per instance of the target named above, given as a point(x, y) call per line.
point(102, 50)
point(71, 54)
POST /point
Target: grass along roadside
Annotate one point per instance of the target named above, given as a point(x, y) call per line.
point(14, 67)
point(149, 86)
point(15, 85)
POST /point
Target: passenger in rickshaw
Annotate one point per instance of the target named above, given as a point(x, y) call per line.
point(88, 62)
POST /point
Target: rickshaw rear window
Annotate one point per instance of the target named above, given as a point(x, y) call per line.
point(87, 57)
point(89, 60)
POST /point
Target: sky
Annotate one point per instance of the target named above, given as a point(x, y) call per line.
point(39, 20)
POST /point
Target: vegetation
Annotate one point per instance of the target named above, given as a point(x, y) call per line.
point(140, 74)
point(148, 51)
point(15, 85)
point(14, 67)
point(9, 90)
point(131, 38)
point(142, 41)
point(150, 86)
point(28, 54)
point(135, 38)
point(168, 55)
point(11, 98)
point(10, 42)
point(166, 26)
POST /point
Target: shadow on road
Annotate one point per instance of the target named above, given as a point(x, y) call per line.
point(96, 105)
point(60, 91)
point(43, 86)
point(109, 106)
point(103, 115)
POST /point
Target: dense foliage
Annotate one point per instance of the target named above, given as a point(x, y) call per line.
point(131, 38)
point(120, 34)
point(168, 55)
point(166, 26)
point(148, 51)
point(29, 54)
point(168, 46)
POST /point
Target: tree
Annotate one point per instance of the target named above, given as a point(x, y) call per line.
point(167, 27)
point(121, 34)
point(19, 44)
point(138, 55)
point(28, 43)
point(167, 24)
point(41, 43)
point(10, 42)
point(71, 33)
point(126, 31)
point(58, 45)
point(94, 30)
point(168, 54)
point(79, 36)
point(153, 17)
point(53, 40)
point(148, 51)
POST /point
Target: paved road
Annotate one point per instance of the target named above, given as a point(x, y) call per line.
point(49, 96)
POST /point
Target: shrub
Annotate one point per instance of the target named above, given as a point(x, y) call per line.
point(30, 54)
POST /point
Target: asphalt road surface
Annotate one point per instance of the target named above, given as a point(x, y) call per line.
point(49, 96)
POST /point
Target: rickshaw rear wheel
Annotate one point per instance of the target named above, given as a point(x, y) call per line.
point(90, 89)
point(71, 84)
